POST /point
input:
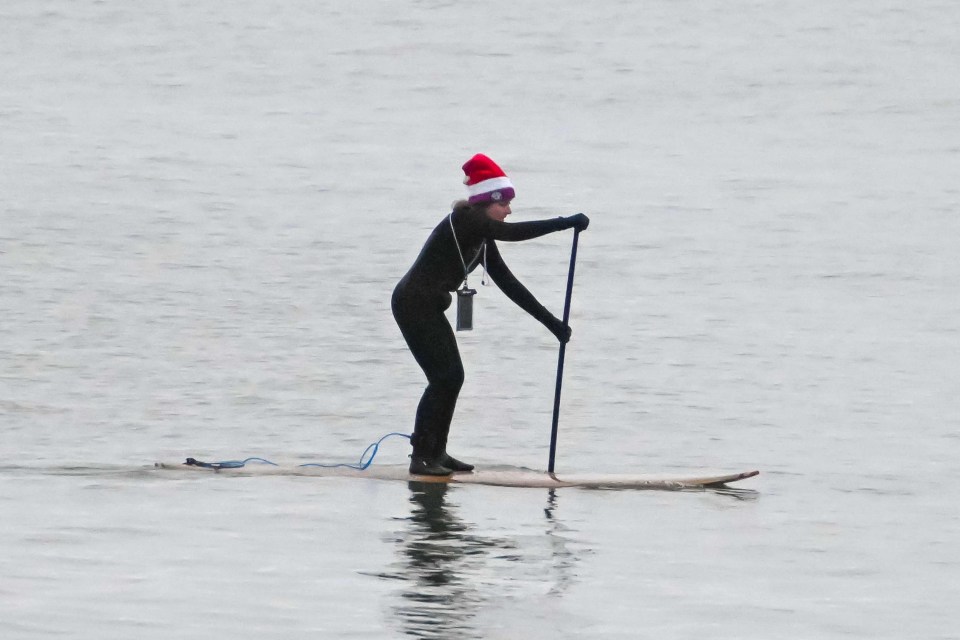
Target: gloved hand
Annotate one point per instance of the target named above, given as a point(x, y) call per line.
point(578, 221)
point(560, 330)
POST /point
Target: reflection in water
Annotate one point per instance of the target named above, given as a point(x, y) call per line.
point(441, 601)
point(744, 495)
point(563, 558)
point(453, 575)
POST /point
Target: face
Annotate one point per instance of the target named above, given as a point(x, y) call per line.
point(499, 210)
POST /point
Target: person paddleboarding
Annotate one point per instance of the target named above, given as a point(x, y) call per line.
point(465, 238)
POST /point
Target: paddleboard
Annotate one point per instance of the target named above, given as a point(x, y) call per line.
point(494, 476)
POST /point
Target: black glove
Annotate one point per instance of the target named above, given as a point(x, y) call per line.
point(560, 330)
point(578, 221)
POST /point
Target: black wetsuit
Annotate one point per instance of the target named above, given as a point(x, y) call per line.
point(423, 294)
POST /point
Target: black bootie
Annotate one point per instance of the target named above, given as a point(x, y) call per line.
point(424, 460)
point(448, 460)
point(453, 464)
point(427, 467)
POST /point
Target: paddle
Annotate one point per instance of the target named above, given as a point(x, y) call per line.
point(563, 350)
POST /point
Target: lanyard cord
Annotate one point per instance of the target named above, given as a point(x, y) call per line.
point(464, 262)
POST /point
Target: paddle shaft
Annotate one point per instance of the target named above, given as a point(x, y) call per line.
point(563, 351)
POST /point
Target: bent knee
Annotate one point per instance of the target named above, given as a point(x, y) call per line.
point(449, 380)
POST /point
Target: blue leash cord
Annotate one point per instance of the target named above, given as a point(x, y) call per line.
point(360, 466)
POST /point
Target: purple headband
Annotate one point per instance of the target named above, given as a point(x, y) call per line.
point(500, 195)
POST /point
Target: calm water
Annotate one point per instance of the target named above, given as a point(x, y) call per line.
point(204, 211)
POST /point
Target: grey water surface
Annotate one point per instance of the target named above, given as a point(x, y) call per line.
point(204, 208)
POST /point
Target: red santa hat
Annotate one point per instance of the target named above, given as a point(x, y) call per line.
point(486, 182)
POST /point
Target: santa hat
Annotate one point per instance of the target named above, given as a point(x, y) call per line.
point(485, 181)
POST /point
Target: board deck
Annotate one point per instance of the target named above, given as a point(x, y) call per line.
point(495, 476)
